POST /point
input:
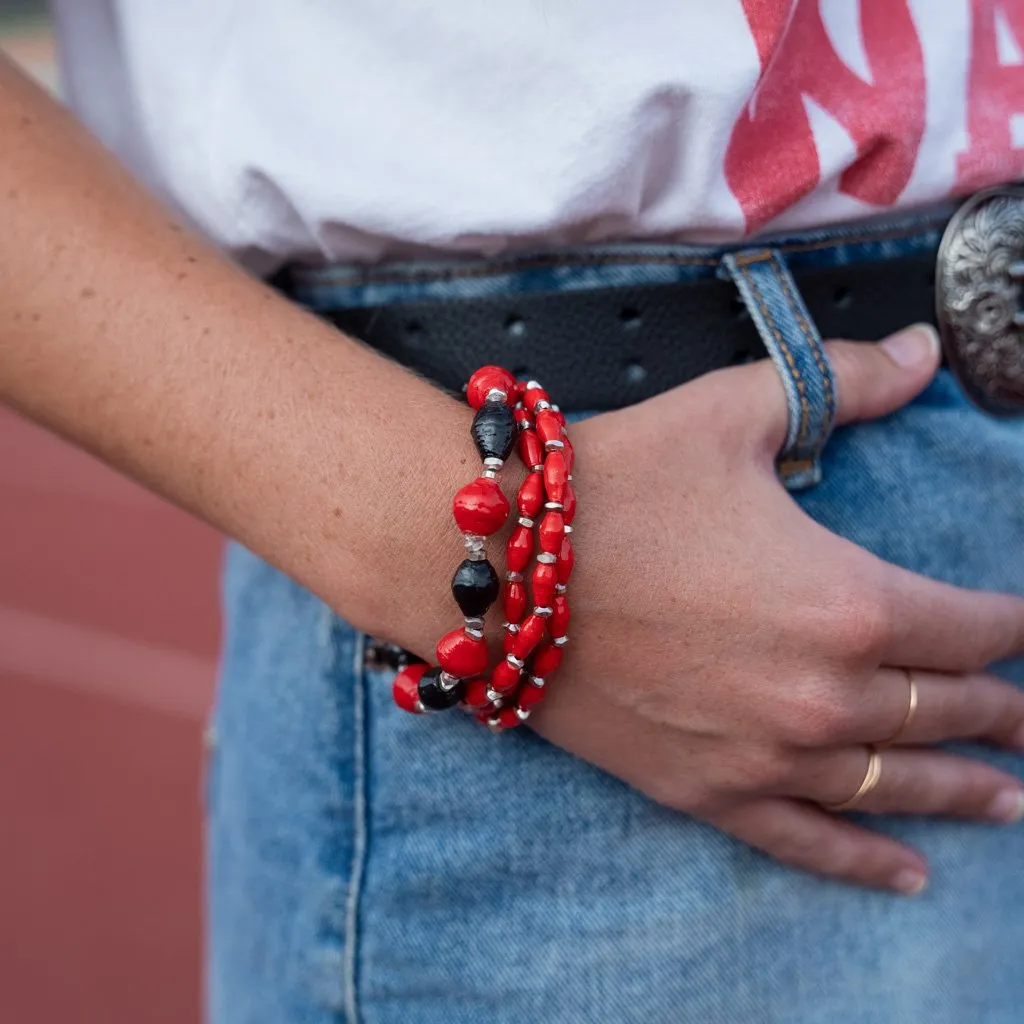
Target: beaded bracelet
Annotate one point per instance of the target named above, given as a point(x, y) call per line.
point(500, 699)
point(547, 455)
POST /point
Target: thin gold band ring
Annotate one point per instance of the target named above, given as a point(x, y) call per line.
point(911, 710)
point(870, 780)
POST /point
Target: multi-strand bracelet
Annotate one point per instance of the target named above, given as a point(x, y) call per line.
point(503, 697)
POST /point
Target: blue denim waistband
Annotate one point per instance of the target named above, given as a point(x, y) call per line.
point(345, 285)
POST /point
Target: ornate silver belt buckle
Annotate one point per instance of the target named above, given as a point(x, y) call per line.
point(978, 276)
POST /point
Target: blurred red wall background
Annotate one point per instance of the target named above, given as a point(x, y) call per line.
point(108, 639)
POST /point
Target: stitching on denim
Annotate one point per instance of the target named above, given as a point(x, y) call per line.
point(813, 338)
point(794, 370)
point(359, 836)
point(496, 268)
point(790, 467)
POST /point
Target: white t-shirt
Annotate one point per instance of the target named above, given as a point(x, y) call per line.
point(357, 130)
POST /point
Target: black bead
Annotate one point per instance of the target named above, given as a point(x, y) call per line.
point(494, 430)
point(433, 697)
point(475, 586)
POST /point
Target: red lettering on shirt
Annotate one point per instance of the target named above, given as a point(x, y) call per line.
point(772, 160)
point(995, 92)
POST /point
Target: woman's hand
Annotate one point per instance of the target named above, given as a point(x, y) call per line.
point(736, 660)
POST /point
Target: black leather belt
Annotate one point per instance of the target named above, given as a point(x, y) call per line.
point(612, 346)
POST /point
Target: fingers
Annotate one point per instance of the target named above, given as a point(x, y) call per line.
point(923, 782)
point(939, 626)
point(976, 707)
point(874, 380)
point(808, 838)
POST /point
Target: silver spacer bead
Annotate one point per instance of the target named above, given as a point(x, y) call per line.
point(522, 714)
point(474, 622)
point(542, 612)
point(493, 696)
point(511, 627)
point(533, 385)
point(447, 681)
point(567, 528)
point(514, 661)
point(420, 709)
point(541, 406)
point(554, 408)
point(546, 558)
point(476, 634)
point(537, 681)
point(491, 474)
point(553, 446)
point(494, 724)
point(560, 588)
point(493, 463)
point(539, 468)
point(524, 521)
point(555, 506)
point(569, 477)
point(514, 577)
point(474, 546)
point(561, 641)
point(496, 395)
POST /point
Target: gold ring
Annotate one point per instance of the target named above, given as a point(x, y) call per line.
point(911, 710)
point(871, 777)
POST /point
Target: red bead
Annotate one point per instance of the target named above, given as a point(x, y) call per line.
point(523, 420)
point(531, 396)
point(519, 549)
point(480, 507)
point(514, 600)
point(568, 453)
point(517, 390)
point(531, 451)
point(531, 632)
point(546, 660)
point(462, 655)
point(559, 414)
point(551, 532)
point(508, 645)
point(560, 616)
point(484, 380)
point(544, 578)
point(529, 697)
point(531, 495)
point(548, 428)
point(569, 503)
point(505, 677)
point(405, 688)
point(508, 719)
point(555, 475)
point(566, 560)
point(476, 694)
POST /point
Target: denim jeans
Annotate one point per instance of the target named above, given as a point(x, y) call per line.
point(366, 865)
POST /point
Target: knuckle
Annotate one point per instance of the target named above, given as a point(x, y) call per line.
point(863, 624)
point(816, 717)
point(756, 770)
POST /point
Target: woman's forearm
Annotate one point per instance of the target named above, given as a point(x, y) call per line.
point(136, 340)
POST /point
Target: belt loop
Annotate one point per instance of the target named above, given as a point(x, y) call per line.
point(791, 338)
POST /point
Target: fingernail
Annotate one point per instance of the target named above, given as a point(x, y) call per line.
point(910, 881)
point(914, 346)
point(1007, 807)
